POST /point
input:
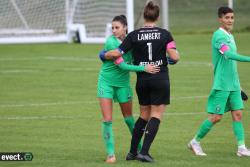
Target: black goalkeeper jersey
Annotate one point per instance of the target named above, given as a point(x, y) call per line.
point(148, 45)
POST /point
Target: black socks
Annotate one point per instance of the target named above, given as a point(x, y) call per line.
point(150, 133)
point(137, 134)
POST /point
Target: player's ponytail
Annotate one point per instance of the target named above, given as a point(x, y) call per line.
point(151, 11)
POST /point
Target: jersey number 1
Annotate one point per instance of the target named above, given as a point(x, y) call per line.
point(149, 51)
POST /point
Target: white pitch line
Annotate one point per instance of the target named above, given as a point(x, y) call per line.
point(93, 58)
point(36, 117)
point(18, 59)
point(184, 114)
point(18, 71)
point(59, 58)
point(57, 117)
point(195, 63)
point(71, 58)
point(77, 102)
point(177, 114)
point(73, 69)
point(40, 104)
point(188, 97)
point(13, 71)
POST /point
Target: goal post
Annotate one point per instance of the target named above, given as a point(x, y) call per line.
point(46, 21)
point(86, 21)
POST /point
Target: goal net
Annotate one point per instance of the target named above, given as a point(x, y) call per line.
point(36, 21)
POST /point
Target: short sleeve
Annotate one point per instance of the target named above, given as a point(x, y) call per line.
point(170, 43)
point(110, 44)
point(127, 43)
point(169, 38)
point(219, 42)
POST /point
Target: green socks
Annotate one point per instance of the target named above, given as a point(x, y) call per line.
point(239, 132)
point(131, 124)
point(204, 129)
point(108, 137)
point(237, 128)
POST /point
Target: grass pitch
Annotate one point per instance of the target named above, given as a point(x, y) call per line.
point(48, 106)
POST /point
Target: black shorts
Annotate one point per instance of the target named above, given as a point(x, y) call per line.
point(153, 92)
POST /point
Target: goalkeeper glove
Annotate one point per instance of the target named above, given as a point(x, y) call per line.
point(102, 55)
point(244, 96)
point(171, 61)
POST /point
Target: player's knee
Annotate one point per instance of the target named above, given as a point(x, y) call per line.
point(237, 115)
point(127, 114)
point(216, 118)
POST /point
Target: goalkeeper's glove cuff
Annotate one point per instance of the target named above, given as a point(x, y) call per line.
point(121, 51)
point(171, 61)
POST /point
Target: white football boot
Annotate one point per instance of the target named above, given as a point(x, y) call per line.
point(243, 152)
point(196, 148)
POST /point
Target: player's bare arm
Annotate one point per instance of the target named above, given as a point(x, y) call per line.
point(113, 54)
point(173, 54)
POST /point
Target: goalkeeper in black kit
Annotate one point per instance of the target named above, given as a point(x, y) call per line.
point(149, 45)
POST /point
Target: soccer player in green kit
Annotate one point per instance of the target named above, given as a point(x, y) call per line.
point(226, 92)
point(114, 84)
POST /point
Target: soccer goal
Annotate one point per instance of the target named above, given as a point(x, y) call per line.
point(44, 21)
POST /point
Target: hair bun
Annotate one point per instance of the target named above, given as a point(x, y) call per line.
point(151, 5)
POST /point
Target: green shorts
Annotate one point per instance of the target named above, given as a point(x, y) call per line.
point(118, 94)
point(220, 101)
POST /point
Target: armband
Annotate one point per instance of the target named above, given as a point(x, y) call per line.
point(171, 45)
point(119, 60)
point(223, 48)
point(102, 55)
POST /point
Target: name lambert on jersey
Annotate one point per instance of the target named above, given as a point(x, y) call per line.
point(149, 36)
point(156, 63)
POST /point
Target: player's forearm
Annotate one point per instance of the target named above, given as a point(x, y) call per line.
point(237, 57)
point(112, 54)
point(173, 54)
point(129, 67)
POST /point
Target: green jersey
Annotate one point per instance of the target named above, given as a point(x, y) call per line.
point(225, 69)
point(112, 73)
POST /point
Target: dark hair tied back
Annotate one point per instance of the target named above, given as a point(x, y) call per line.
point(151, 11)
point(122, 19)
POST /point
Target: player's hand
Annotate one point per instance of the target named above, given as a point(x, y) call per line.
point(152, 69)
point(244, 96)
point(102, 55)
point(171, 61)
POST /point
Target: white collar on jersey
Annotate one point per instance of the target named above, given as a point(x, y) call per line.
point(222, 29)
point(120, 41)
